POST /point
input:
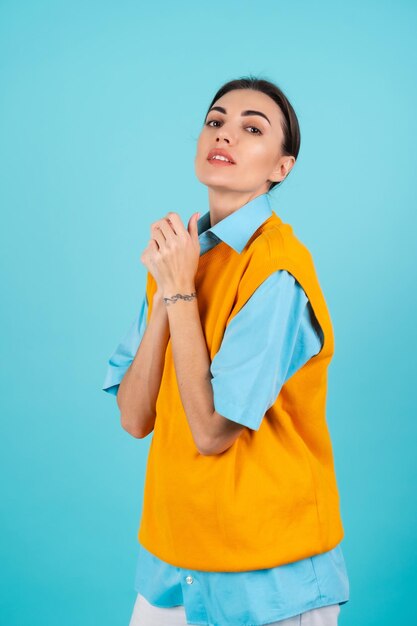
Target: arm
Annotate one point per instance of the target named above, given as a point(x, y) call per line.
point(210, 430)
point(139, 387)
point(271, 337)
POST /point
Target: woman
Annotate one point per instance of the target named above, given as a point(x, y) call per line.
point(226, 364)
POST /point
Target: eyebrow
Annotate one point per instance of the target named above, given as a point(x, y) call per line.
point(250, 112)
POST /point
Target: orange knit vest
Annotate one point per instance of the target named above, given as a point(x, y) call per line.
point(272, 497)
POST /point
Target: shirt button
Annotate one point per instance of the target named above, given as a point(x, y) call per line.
point(189, 580)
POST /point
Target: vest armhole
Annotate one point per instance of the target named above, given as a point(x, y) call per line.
point(256, 275)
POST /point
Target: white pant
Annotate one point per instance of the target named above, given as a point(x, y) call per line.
point(145, 614)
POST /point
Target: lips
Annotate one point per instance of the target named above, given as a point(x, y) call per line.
point(220, 152)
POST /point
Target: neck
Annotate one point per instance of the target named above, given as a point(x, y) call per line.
point(224, 202)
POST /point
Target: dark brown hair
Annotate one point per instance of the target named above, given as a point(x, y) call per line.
point(291, 130)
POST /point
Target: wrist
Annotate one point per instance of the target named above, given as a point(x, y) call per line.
point(179, 288)
point(177, 292)
point(158, 301)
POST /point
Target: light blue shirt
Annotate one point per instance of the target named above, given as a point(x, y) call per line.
point(272, 336)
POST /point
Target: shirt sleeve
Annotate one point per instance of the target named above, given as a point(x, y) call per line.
point(268, 340)
point(125, 352)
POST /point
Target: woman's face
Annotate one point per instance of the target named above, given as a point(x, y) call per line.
point(253, 142)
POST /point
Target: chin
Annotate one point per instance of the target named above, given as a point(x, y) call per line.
point(214, 177)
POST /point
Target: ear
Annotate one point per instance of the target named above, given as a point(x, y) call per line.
point(282, 168)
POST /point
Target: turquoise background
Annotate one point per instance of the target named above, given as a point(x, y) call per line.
point(101, 104)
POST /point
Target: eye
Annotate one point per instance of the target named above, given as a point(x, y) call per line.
point(258, 132)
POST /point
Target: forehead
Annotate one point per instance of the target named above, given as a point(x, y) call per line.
point(239, 100)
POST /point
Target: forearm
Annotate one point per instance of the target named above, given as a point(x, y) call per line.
point(139, 388)
point(192, 365)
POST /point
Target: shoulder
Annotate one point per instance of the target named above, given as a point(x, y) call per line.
point(278, 240)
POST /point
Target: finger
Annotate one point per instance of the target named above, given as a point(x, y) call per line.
point(177, 224)
point(193, 226)
point(170, 224)
point(157, 235)
point(167, 230)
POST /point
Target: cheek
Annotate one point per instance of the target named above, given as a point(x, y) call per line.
point(203, 138)
point(204, 144)
point(257, 154)
point(200, 148)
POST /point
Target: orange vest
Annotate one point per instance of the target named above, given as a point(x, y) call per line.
point(272, 497)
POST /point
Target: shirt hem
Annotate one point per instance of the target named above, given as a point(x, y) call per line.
point(269, 620)
point(272, 619)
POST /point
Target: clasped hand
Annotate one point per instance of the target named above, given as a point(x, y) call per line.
point(172, 253)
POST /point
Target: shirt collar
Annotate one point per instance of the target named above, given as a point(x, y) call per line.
point(237, 228)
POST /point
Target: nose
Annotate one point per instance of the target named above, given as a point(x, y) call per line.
point(222, 133)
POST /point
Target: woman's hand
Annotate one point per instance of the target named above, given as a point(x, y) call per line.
point(173, 253)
